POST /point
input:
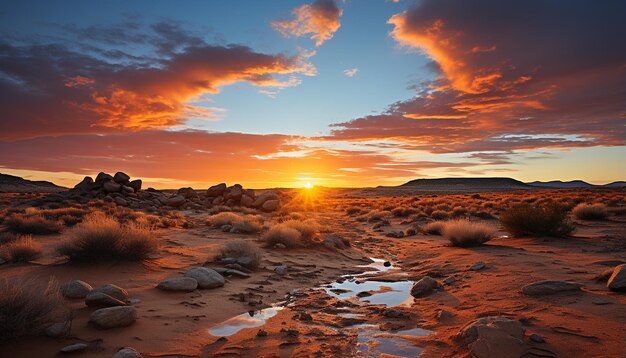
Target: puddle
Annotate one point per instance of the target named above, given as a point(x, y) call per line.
point(243, 321)
point(374, 342)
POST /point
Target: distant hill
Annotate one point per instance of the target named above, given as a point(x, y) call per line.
point(14, 184)
point(558, 184)
point(466, 184)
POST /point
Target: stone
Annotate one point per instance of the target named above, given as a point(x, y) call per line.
point(127, 189)
point(175, 201)
point(449, 280)
point(121, 201)
point(216, 190)
point(187, 193)
point(444, 315)
point(103, 177)
point(135, 184)
point(281, 270)
point(536, 338)
point(217, 201)
point(58, 329)
point(76, 347)
point(101, 300)
point(244, 261)
point(494, 337)
point(424, 287)
point(127, 352)
point(85, 184)
point(185, 284)
point(113, 291)
point(270, 205)
point(617, 281)
point(234, 192)
point(121, 178)
point(334, 242)
point(246, 200)
point(477, 266)
point(112, 317)
point(548, 287)
point(261, 199)
point(75, 289)
point(206, 277)
point(112, 187)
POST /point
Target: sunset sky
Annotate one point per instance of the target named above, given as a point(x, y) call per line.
point(280, 93)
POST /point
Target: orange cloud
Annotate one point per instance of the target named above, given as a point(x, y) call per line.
point(319, 19)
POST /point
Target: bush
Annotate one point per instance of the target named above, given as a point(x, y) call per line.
point(28, 307)
point(439, 215)
point(248, 224)
point(32, 224)
point(466, 233)
point(280, 234)
point(308, 229)
point(434, 228)
point(242, 248)
point(590, 211)
point(545, 220)
point(100, 238)
point(21, 249)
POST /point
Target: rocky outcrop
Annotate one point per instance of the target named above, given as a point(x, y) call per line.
point(494, 337)
point(617, 281)
point(206, 277)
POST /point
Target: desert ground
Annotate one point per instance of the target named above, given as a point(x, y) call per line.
point(312, 272)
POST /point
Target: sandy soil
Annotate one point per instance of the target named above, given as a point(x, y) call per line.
point(589, 323)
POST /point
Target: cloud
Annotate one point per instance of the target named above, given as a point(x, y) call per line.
point(510, 76)
point(319, 19)
point(351, 72)
point(53, 89)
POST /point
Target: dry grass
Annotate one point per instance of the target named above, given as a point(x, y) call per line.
point(223, 218)
point(242, 248)
point(590, 211)
point(293, 233)
point(544, 220)
point(28, 307)
point(34, 223)
point(101, 238)
point(434, 228)
point(243, 224)
point(467, 233)
point(21, 249)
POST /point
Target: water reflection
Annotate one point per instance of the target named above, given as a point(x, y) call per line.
point(246, 320)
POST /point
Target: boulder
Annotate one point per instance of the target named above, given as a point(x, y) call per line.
point(101, 300)
point(185, 284)
point(103, 177)
point(113, 317)
point(58, 329)
point(75, 289)
point(187, 193)
point(234, 192)
point(121, 178)
point(494, 337)
point(121, 201)
point(617, 281)
point(127, 189)
point(112, 187)
point(334, 242)
point(424, 287)
point(246, 200)
point(76, 347)
point(135, 184)
point(85, 184)
point(261, 199)
point(216, 190)
point(127, 352)
point(175, 201)
point(548, 287)
point(206, 277)
point(113, 291)
point(478, 266)
point(270, 205)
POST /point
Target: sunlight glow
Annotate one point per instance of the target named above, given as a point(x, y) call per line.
point(308, 185)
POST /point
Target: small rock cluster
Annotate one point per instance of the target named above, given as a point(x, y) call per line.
point(126, 192)
point(195, 277)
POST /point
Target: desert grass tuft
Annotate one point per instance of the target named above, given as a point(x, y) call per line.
point(21, 249)
point(34, 223)
point(466, 233)
point(544, 220)
point(242, 248)
point(590, 211)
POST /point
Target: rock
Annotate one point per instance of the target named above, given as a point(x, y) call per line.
point(112, 317)
point(175, 201)
point(121, 201)
point(494, 337)
point(444, 315)
point(548, 287)
point(334, 242)
point(58, 329)
point(85, 184)
point(113, 291)
point(387, 264)
point(270, 205)
point(536, 338)
point(246, 200)
point(135, 184)
point(477, 266)
point(617, 281)
point(127, 352)
point(103, 177)
point(76, 347)
point(280, 246)
point(226, 228)
point(424, 287)
point(395, 234)
point(216, 190)
point(281, 270)
point(185, 284)
point(127, 190)
point(206, 277)
point(121, 178)
point(261, 199)
point(187, 193)
point(261, 333)
point(244, 261)
point(112, 187)
point(391, 313)
point(449, 280)
point(101, 300)
point(75, 289)
point(234, 192)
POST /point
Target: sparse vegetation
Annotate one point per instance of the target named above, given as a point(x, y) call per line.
point(467, 233)
point(293, 233)
point(545, 220)
point(590, 211)
point(23, 248)
point(242, 248)
point(434, 228)
point(100, 238)
point(244, 224)
point(28, 307)
point(34, 223)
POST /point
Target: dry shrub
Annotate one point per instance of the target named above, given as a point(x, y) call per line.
point(21, 249)
point(353, 210)
point(544, 220)
point(439, 215)
point(223, 218)
point(32, 223)
point(248, 224)
point(434, 228)
point(292, 233)
point(28, 307)
point(7, 237)
point(590, 211)
point(466, 233)
point(100, 238)
point(242, 248)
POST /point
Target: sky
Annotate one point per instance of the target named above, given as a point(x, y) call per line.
point(335, 93)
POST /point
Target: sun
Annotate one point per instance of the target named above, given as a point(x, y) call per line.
point(308, 185)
